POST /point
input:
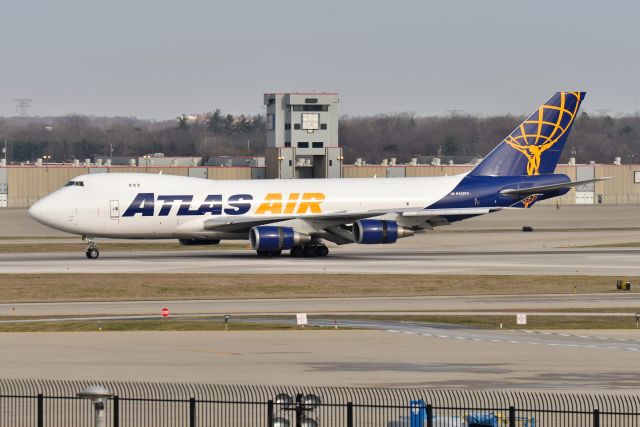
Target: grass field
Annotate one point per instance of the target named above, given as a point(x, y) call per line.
point(208, 324)
point(114, 287)
point(139, 325)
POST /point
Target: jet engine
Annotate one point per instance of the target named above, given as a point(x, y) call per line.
point(272, 238)
point(374, 231)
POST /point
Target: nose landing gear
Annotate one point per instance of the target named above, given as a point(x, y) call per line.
point(92, 251)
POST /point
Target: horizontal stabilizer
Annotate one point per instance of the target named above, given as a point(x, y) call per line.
point(543, 188)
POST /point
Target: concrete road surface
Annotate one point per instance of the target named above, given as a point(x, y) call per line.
point(397, 305)
point(402, 356)
point(350, 259)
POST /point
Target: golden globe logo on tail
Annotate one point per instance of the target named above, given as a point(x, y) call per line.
point(530, 140)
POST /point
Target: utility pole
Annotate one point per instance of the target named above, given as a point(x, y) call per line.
point(22, 106)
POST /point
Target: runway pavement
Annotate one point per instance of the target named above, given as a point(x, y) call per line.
point(398, 305)
point(352, 259)
point(396, 355)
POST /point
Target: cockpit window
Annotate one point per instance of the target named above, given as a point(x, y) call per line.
point(76, 183)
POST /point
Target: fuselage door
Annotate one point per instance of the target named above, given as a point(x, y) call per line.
point(114, 209)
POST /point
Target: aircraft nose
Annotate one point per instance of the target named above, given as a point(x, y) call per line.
point(46, 211)
point(36, 211)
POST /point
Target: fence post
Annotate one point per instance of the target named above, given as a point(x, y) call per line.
point(116, 411)
point(40, 414)
point(512, 416)
point(429, 415)
point(192, 412)
point(349, 414)
point(596, 418)
point(270, 413)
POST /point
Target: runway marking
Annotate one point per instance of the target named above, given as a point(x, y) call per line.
point(576, 336)
point(550, 344)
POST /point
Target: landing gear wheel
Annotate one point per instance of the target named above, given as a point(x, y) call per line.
point(92, 253)
point(322, 251)
point(297, 251)
point(309, 251)
point(92, 250)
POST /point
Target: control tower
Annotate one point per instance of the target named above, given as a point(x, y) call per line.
point(302, 135)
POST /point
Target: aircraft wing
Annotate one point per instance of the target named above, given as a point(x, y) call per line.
point(449, 212)
point(231, 224)
point(331, 220)
point(542, 188)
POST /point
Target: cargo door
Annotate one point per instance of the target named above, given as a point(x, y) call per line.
point(114, 209)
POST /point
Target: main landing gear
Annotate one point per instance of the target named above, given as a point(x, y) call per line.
point(92, 251)
point(310, 251)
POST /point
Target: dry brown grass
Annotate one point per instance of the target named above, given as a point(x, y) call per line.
point(141, 325)
point(112, 287)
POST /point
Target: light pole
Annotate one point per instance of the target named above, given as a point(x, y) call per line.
point(98, 396)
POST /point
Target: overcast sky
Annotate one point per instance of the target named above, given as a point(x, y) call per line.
point(157, 59)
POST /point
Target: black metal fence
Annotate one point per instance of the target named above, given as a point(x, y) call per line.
point(32, 403)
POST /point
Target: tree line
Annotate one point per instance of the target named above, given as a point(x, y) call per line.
point(373, 138)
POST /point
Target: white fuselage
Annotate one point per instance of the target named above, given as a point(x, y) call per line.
point(104, 206)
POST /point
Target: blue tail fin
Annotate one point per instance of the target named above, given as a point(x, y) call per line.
point(534, 147)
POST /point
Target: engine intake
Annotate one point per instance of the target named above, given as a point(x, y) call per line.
point(272, 238)
point(376, 231)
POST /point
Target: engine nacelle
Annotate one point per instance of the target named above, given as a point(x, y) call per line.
point(375, 231)
point(198, 242)
point(272, 238)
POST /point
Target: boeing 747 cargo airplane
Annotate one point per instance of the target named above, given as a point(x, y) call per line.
point(299, 215)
